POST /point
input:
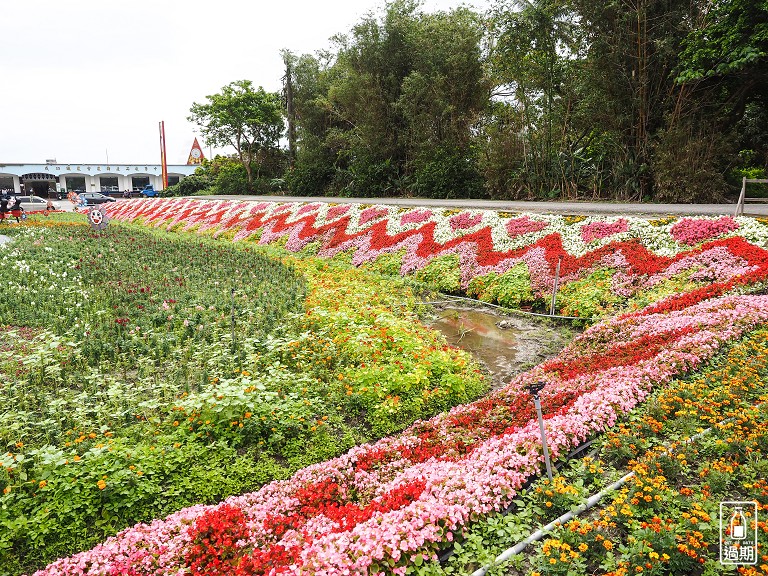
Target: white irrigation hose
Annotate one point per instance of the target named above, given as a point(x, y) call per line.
point(541, 532)
point(590, 502)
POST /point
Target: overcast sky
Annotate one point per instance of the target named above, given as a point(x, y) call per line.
point(86, 81)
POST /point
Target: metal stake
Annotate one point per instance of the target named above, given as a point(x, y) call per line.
point(554, 287)
point(533, 390)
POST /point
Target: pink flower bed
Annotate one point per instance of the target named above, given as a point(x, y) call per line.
point(691, 231)
point(600, 230)
point(415, 217)
point(465, 220)
point(382, 506)
point(524, 225)
point(370, 214)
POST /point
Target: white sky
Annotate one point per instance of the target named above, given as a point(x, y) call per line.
point(83, 80)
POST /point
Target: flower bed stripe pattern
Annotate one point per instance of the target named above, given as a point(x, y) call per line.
point(382, 507)
point(484, 241)
point(379, 506)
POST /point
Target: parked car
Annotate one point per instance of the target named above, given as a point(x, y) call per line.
point(34, 203)
point(94, 198)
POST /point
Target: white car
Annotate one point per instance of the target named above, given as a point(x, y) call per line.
point(32, 203)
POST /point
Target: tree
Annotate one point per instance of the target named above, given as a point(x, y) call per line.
point(726, 56)
point(290, 110)
point(732, 38)
point(392, 110)
point(249, 120)
point(531, 58)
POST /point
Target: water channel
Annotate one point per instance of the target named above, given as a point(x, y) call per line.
point(505, 351)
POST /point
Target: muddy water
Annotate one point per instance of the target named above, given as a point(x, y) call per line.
point(504, 352)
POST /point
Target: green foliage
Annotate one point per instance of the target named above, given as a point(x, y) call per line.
point(129, 398)
point(232, 178)
point(589, 297)
point(442, 274)
point(678, 284)
point(444, 173)
point(689, 164)
point(369, 117)
point(750, 173)
point(188, 186)
point(313, 172)
point(733, 38)
point(249, 120)
point(66, 508)
point(548, 99)
point(388, 264)
point(227, 175)
point(370, 177)
point(509, 289)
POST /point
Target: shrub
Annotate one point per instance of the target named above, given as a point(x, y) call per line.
point(188, 186)
point(509, 289)
point(232, 179)
point(446, 173)
point(441, 274)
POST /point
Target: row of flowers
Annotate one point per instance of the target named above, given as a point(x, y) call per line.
point(484, 241)
point(665, 520)
point(385, 506)
point(382, 507)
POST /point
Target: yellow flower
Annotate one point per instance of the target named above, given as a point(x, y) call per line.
point(101, 484)
point(583, 547)
point(43, 483)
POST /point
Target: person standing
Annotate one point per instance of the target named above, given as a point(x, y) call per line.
point(17, 210)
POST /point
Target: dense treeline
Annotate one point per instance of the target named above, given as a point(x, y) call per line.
point(661, 100)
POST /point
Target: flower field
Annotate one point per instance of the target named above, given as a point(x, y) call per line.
point(622, 263)
point(125, 396)
point(664, 299)
point(665, 519)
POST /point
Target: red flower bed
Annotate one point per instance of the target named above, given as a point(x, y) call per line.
point(215, 536)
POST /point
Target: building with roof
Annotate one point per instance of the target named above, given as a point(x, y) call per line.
point(52, 177)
